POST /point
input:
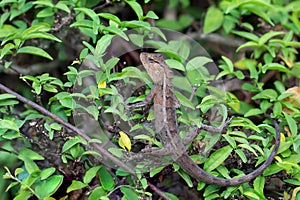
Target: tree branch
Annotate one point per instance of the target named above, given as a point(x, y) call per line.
point(101, 150)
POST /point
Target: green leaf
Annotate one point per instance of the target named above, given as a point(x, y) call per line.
point(8, 102)
point(18, 171)
point(292, 181)
point(6, 49)
point(217, 158)
point(102, 45)
point(110, 17)
point(196, 71)
point(184, 101)
point(138, 24)
point(241, 155)
point(259, 184)
point(292, 124)
point(249, 44)
point(11, 185)
point(6, 30)
point(23, 195)
point(49, 186)
point(76, 185)
point(253, 112)
point(169, 24)
point(44, 3)
point(90, 13)
point(244, 122)
point(172, 196)
point(266, 94)
point(10, 125)
point(55, 126)
point(186, 178)
point(174, 64)
point(263, 39)
point(90, 174)
point(4, 17)
point(115, 30)
point(156, 171)
point(137, 39)
point(159, 32)
point(34, 51)
point(185, 21)
point(277, 108)
point(230, 140)
point(260, 12)
point(279, 87)
point(72, 142)
point(46, 12)
point(228, 63)
point(251, 194)
point(90, 152)
point(198, 62)
point(274, 66)
point(111, 63)
point(246, 146)
point(240, 75)
point(272, 169)
point(129, 193)
point(213, 19)
point(62, 6)
point(40, 27)
point(83, 23)
point(30, 166)
point(27, 153)
point(136, 7)
point(47, 172)
point(106, 179)
point(97, 193)
point(93, 110)
point(210, 190)
point(151, 15)
point(40, 34)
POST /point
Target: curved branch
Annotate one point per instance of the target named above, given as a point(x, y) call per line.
point(101, 150)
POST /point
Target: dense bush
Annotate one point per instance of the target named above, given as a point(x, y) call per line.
point(46, 44)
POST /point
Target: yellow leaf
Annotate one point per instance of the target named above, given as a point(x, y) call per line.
point(234, 103)
point(288, 61)
point(295, 191)
point(245, 63)
point(76, 62)
point(101, 85)
point(124, 141)
point(49, 198)
point(282, 137)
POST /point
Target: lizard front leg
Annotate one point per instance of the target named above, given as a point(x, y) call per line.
point(212, 129)
point(147, 100)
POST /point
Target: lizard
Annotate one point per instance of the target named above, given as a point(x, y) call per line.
point(166, 126)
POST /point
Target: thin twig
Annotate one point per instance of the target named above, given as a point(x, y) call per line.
point(69, 126)
point(158, 191)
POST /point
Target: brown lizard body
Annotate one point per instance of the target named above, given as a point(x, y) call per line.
point(167, 128)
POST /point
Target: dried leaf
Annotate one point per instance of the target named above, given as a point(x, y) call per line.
point(293, 99)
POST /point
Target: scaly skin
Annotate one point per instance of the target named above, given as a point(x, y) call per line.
point(167, 128)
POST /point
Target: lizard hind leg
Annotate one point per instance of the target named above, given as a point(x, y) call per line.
point(157, 151)
point(150, 158)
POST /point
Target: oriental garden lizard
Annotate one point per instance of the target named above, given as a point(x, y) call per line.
point(167, 128)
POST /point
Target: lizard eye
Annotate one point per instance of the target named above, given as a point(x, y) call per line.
point(153, 61)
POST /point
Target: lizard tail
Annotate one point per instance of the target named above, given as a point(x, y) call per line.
point(195, 171)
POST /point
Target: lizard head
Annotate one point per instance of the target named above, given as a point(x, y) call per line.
point(155, 66)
